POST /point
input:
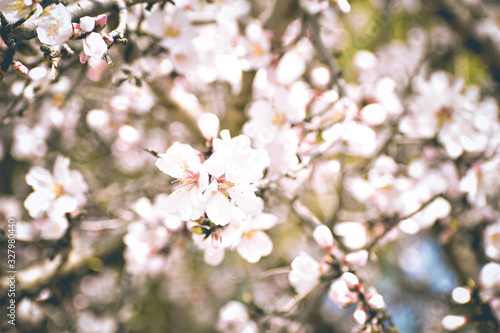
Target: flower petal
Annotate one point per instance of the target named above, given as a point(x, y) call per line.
point(65, 204)
point(170, 165)
point(219, 209)
point(38, 202)
point(39, 178)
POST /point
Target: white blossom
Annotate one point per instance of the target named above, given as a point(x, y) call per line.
point(182, 162)
point(305, 273)
point(234, 167)
point(56, 194)
point(56, 28)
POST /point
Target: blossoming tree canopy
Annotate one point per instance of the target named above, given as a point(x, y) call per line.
point(250, 166)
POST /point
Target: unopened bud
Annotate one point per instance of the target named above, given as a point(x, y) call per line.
point(87, 23)
point(18, 66)
point(216, 240)
point(323, 236)
point(101, 20)
point(209, 125)
point(190, 225)
point(351, 280)
point(359, 315)
point(108, 39)
point(376, 302)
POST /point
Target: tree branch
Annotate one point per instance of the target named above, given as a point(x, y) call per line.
point(80, 9)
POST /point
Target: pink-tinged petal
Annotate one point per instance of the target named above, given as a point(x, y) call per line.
point(94, 45)
point(38, 202)
point(83, 57)
point(219, 209)
point(39, 178)
point(170, 165)
point(244, 197)
point(64, 204)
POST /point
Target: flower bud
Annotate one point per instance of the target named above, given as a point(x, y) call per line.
point(351, 280)
point(108, 39)
point(216, 239)
point(209, 125)
point(340, 294)
point(87, 23)
point(323, 236)
point(376, 301)
point(359, 315)
point(101, 20)
point(18, 66)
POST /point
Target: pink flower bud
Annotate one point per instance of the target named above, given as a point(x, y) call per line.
point(108, 39)
point(216, 240)
point(87, 23)
point(101, 20)
point(351, 280)
point(376, 301)
point(209, 125)
point(18, 66)
point(359, 315)
point(83, 57)
point(340, 294)
point(323, 236)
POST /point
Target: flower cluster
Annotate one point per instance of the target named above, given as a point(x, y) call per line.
point(346, 290)
point(217, 191)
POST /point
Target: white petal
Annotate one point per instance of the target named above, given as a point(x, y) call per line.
point(188, 205)
point(170, 165)
point(185, 153)
point(219, 209)
point(87, 23)
point(38, 202)
point(209, 125)
point(264, 221)
point(65, 204)
point(61, 169)
point(253, 247)
point(244, 197)
point(39, 178)
point(59, 19)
